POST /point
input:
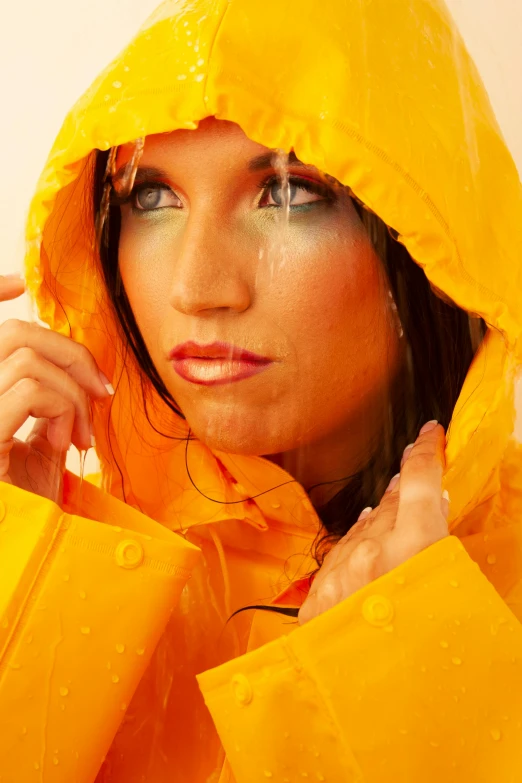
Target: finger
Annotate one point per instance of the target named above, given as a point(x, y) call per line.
point(11, 287)
point(421, 479)
point(30, 398)
point(26, 363)
point(62, 351)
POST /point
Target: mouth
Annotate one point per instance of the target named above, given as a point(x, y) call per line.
point(217, 363)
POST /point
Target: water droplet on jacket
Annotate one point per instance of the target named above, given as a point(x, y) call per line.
point(29, 638)
point(15, 666)
point(36, 765)
point(457, 622)
point(268, 774)
point(120, 648)
point(192, 68)
point(140, 651)
point(403, 731)
point(24, 729)
point(115, 678)
point(423, 669)
point(320, 776)
point(123, 707)
point(106, 97)
point(126, 68)
point(286, 734)
point(117, 85)
point(496, 734)
point(200, 77)
point(400, 580)
point(463, 688)
point(200, 62)
point(430, 616)
point(494, 629)
point(491, 559)
point(276, 504)
point(83, 594)
point(64, 691)
point(388, 628)
point(434, 744)
point(182, 76)
point(85, 629)
point(456, 661)
point(444, 643)
point(66, 577)
point(5, 623)
point(454, 583)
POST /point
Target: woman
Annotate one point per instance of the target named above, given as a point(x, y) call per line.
point(168, 222)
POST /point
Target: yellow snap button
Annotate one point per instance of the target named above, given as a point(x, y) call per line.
point(242, 688)
point(378, 610)
point(129, 554)
point(2, 510)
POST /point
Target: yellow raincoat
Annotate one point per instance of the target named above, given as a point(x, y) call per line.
point(116, 663)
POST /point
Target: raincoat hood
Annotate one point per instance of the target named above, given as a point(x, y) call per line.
point(115, 663)
point(383, 97)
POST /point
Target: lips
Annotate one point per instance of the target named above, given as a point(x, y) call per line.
point(216, 363)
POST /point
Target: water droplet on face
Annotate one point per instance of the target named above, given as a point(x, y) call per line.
point(85, 629)
point(64, 691)
point(496, 734)
point(491, 559)
point(120, 648)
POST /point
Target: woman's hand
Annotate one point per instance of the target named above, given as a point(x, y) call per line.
point(411, 515)
point(46, 375)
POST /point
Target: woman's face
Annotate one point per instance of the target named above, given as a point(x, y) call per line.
point(208, 254)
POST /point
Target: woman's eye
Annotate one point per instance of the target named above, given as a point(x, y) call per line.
point(149, 197)
point(299, 192)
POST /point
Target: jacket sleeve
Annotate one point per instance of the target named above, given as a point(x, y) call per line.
point(415, 677)
point(82, 606)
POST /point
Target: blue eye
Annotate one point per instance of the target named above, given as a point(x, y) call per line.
point(148, 197)
point(301, 192)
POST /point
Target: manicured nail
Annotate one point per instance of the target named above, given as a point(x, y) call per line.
point(393, 483)
point(445, 502)
point(407, 451)
point(365, 512)
point(429, 426)
point(108, 385)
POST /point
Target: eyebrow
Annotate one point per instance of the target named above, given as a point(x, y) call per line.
point(148, 172)
point(267, 160)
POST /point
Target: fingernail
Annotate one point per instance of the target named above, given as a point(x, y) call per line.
point(407, 450)
point(13, 276)
point(108, 385)
point(429, 426)
point(445, 502)
point(365, 512)
point(393, 483)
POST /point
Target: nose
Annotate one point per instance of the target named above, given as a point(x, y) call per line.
point(209, 272)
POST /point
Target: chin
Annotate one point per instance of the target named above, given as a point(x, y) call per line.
point(239, 433)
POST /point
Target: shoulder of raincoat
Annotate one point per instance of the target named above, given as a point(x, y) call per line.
point(117, 662)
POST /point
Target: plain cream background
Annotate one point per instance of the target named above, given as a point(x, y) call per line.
point(51, 51)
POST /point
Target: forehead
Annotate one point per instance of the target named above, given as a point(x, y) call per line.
point(213, 139)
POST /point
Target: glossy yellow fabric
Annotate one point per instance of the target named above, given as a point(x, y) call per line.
point(103, 633)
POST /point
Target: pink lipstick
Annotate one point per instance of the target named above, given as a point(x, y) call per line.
point(216, 363)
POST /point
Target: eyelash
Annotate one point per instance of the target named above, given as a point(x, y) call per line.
point(316, 188)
